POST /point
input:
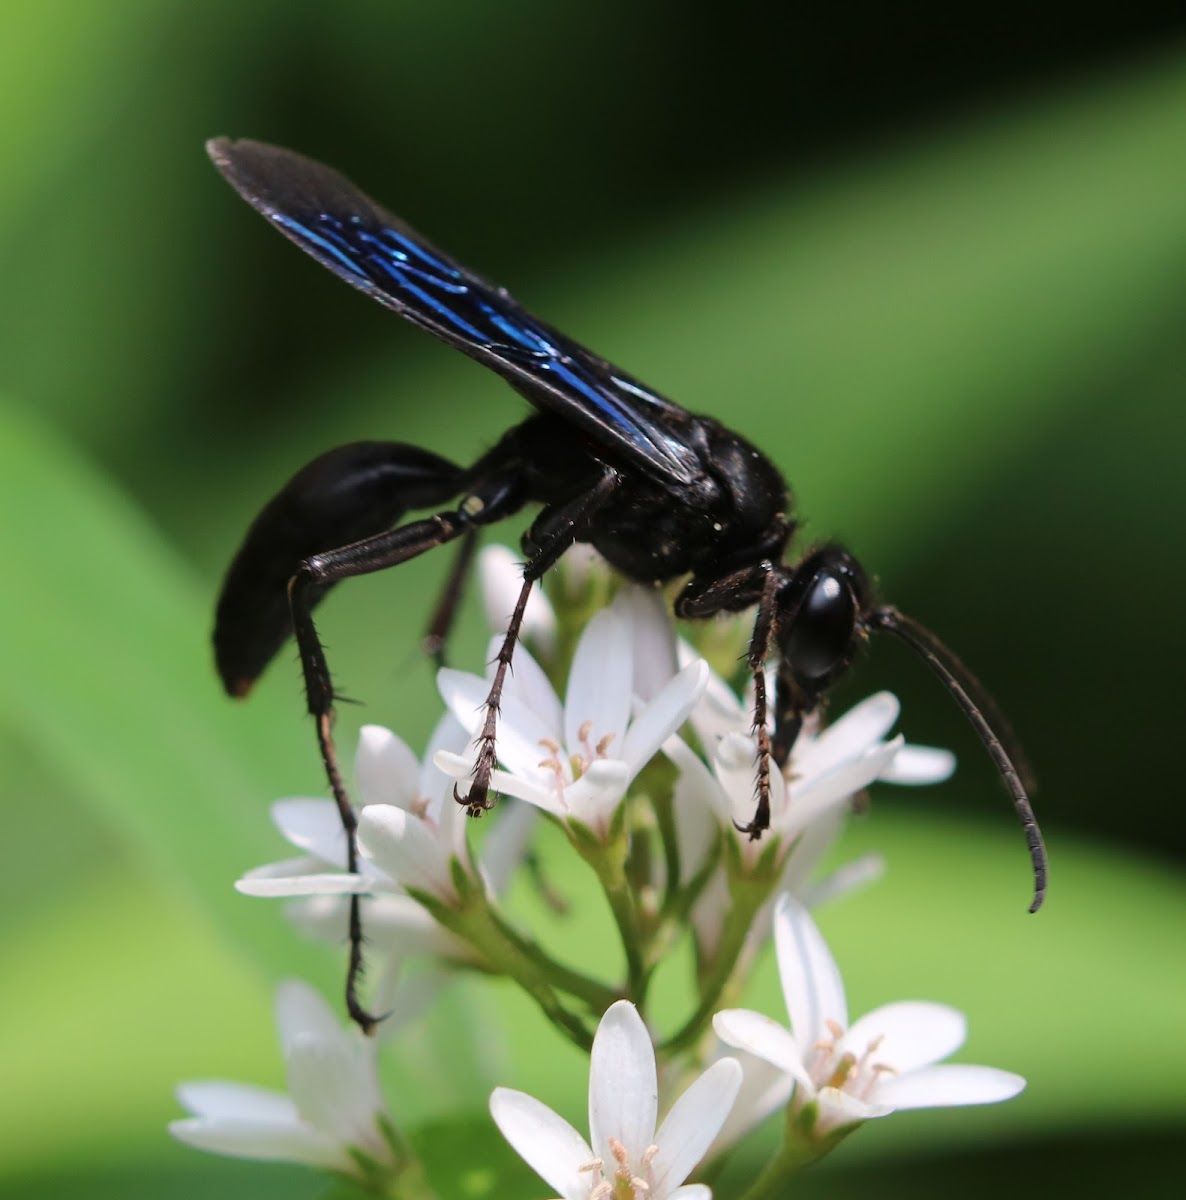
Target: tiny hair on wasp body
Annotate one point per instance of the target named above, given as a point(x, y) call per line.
point(662, 493)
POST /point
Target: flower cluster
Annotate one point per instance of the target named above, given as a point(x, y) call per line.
point(645, 730)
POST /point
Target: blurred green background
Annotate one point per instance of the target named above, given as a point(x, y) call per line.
point(939, 273)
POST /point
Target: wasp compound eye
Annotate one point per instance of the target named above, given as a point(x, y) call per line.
point(820, 639)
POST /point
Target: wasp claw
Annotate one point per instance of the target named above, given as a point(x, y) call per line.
point(475, 802)
point(754, 829)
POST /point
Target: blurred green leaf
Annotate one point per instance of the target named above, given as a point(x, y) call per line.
point(56, 70)
point(107, 675)
point(116, 992)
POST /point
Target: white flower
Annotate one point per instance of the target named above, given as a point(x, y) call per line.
point(500, 574)
point(386, 775)
point(884, 1061)
point(583, 568)
point(628, 1158)
point(410, 830)
point(654, 648)
point(333, 1115)
point(826, 767)
point(764, 1089)
point(809, 799)
point(419, 850)
point(574, 760)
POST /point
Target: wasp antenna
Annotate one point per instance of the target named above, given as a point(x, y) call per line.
point(970, 695)
point(925, 641)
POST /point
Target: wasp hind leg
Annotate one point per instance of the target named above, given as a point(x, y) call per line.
point(497, 495)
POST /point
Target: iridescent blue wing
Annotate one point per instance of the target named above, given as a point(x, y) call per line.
point(329, 218)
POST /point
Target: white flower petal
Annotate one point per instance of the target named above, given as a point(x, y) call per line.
point(764, 1038)
point(719, 711)
point(506, 844)
point(838, 1108)
point(811, 982)
point(545, 1141)
point(451, 735)
point(405, 999)
point(785, 812)
point(313, 826)
point(451, 830)
point(320, 918)
point(404, 847)
point(623, 1086)
point(385, 769)
point(541, 795)
point(225, 1100)
point(908, 1034)
point(691, 1191)
point(579, 567)
point(821, 793)
point(708, 913)
point(521, 731)
point(652, 637)
point(301, 1009)
point(334, 1099)
point(336, 884)
point(849, 878)
point(600, 682)
point(395, 924)
point(456, 766)
point(595, 797)
point(693, 1123)
point(525, 741)
point(304, 864)
point(279, 1141)
point(328, 1081)
point(919, 765)
point(696, 827)
point(735, 766)
point(696, 781)
point(947, 1085)
point(500, 575)
point(809, 848)
point(664, 715)
point(528, 684)
point(859, 728)
point(464, 695)
point(764, 1089)
point(395, 914)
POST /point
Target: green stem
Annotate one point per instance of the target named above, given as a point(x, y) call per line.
point(592, 992)
point(621, 902)
point(673, 918)
point(801, 1147)
point(748, 893)
point(608, 860)
point(400, 1178)
point(664, 809)
point(789, 1160)
point(475, 922)
point(410, 1183)
point(680, 900)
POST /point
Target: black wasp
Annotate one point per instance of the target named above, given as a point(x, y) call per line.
point(660, 493)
